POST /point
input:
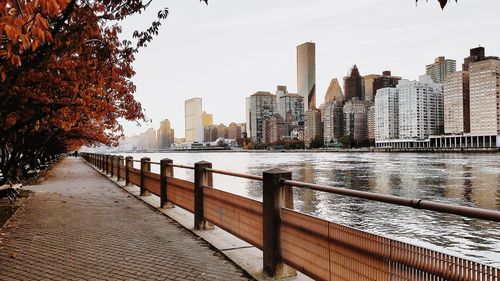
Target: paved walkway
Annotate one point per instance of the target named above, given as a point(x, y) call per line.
point(80, 226)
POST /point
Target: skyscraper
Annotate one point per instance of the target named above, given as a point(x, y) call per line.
point(165, 135)
point(368, 90)
point(355, 119)
point(291, 103)
point(456, 103)
point(440, 68)
point(207, 119)
point(193, 119)
point(420, 108)
point(485, 96)
point(353, 85)
point(259, 106)
point(334, 92)
point(233, 131)
point(313, 128)
point(333, 120)
point(306, 74)
point(273, 129)
point(476, 54)
point(385, 81)
point(387, 114)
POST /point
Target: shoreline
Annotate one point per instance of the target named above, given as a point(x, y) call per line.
point(361, 150)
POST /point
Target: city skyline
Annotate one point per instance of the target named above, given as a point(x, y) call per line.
point(270, 64)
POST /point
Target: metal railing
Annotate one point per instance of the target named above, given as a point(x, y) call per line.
point(291, 240)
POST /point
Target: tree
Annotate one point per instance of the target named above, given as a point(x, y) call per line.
point(65, 75)
point(317, 142)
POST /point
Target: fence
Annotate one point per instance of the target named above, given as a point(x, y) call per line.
point(292, 240)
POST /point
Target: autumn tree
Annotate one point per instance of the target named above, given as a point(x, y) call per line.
point(65, 75)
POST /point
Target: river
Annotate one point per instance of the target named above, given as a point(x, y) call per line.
point(461, 179)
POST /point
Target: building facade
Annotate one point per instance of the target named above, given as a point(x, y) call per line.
point(165, 135)
point(456, 103)
point(368, 90)
point(420, 108)
point(222, 131)
point(313, 127)
point(370, 121)
point(233, 131)
point(259, 106)
point(209, 133)
point(485, 96)
point(207, 119)
point(353, 85)
point(333, 121)
point(387, 114)
point(291, 103)
point(150, 139)
point(334, 92)
point(355, 119)
point(193, 120)
point(274, 129)
point(387, 80)
point(440, 68)
point(306, 74)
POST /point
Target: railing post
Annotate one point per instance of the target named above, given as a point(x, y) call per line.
point(166, 170)
point(112, 158)
point(145, 166)
point(275, 196)
point(107, 163)
point(128, 164)
point(201, 178)
point(119, 166)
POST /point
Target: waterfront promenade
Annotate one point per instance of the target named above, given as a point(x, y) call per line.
point(78, 225)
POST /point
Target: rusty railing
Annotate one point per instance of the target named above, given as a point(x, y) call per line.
point(291, 240)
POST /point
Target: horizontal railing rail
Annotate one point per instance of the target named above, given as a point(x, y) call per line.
point(292, 240)
point(233, 174)
point(470, 212)
point(181, 166)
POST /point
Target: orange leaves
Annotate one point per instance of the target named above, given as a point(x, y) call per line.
point(15, 60)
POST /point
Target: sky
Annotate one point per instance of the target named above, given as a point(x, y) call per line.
point(230, 49)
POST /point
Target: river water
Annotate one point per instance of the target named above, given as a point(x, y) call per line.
point(461, 179)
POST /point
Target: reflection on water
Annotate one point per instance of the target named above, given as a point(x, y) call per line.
point(462, 179)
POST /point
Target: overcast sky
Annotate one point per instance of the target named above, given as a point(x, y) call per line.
point(230, 49)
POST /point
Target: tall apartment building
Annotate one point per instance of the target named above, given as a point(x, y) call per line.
point(291, 103)
point(258, 107)
point(387, 80)
point(368, 90)
point(222, 131)
point(313, 127)
point(333, 121)
point(334, 92)
point(209, 133)
point(387, 114)
point(440, 68)
point(485, 96)
point(150, 139)
point(370, 121)
point(306, 74)
point(355, 119)
point(193, 120)
point(475, 54)
point(207, 119)
point(165, 135)
point(353, 85)
point(456, 103)
point(420, 108)
point(274, 129)
point(233, 131)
